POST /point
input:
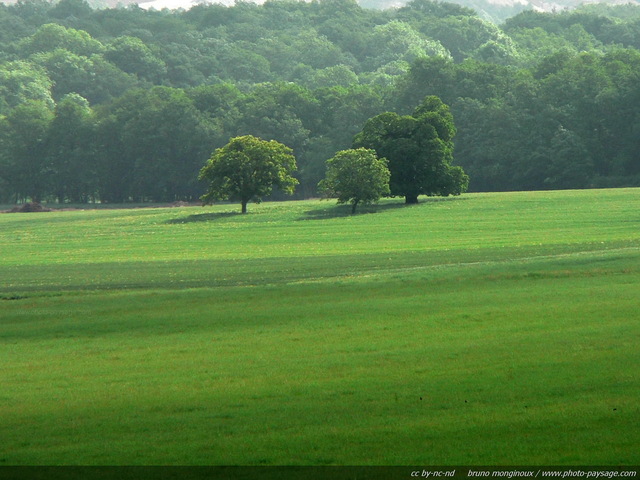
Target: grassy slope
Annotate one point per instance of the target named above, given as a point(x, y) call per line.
point(487, 329)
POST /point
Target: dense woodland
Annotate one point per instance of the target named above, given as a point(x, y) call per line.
point(119, 105)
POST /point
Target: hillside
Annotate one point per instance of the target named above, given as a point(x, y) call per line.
point(126, 105)
point(499, 10)
point(493, 10)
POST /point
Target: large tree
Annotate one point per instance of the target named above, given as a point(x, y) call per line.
point(419, 148)
point(71, 152)
point(23, 148)
point(247, 169)
point(356, 176)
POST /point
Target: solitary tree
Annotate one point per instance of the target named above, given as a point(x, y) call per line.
point(247, 169)
point(356, 176)
point(419, 148)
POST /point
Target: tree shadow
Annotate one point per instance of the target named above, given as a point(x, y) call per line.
point(338, 211)
point(203, 217)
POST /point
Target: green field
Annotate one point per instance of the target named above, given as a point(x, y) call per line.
point(487, 329)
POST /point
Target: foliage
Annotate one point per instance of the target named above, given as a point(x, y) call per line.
point(23, 152)
point(152, 143)
point(52, 36)
point(419, 148)
point(528, 96)
point(22, 82)
point(73, 173)
point(356, 176)
point(131, 55)
point(247, 169)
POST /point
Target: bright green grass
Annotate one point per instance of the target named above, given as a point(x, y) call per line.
point(486, 329)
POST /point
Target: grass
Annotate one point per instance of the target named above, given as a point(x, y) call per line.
point(489, 329)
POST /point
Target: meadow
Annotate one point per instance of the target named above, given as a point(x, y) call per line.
point(486, 329)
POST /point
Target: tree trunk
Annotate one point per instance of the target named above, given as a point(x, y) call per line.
point(353, 206)
point(244, 206)
point(411, 199)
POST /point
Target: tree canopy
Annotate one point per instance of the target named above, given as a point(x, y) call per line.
point(419, 148)
point(356, 176)
point(247, 169)
point(544, 100)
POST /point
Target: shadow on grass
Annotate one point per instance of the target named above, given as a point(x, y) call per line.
point(337, 211)
point(203, 217)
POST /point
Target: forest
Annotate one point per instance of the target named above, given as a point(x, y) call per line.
point(126, 105)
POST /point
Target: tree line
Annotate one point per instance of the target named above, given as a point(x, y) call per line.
point(123, 104)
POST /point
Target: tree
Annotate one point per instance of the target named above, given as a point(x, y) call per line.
point(427, 76)
point(419, 148)
point(92, 77)
point(397, 40)
point(281, 112)
point(23, 163)
point(247, 169)
point(337, 75)
point(71, 8)
point(132, 55)
point(356, 176)
point(21, 82)
point(70, 150)
point(51, 36)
